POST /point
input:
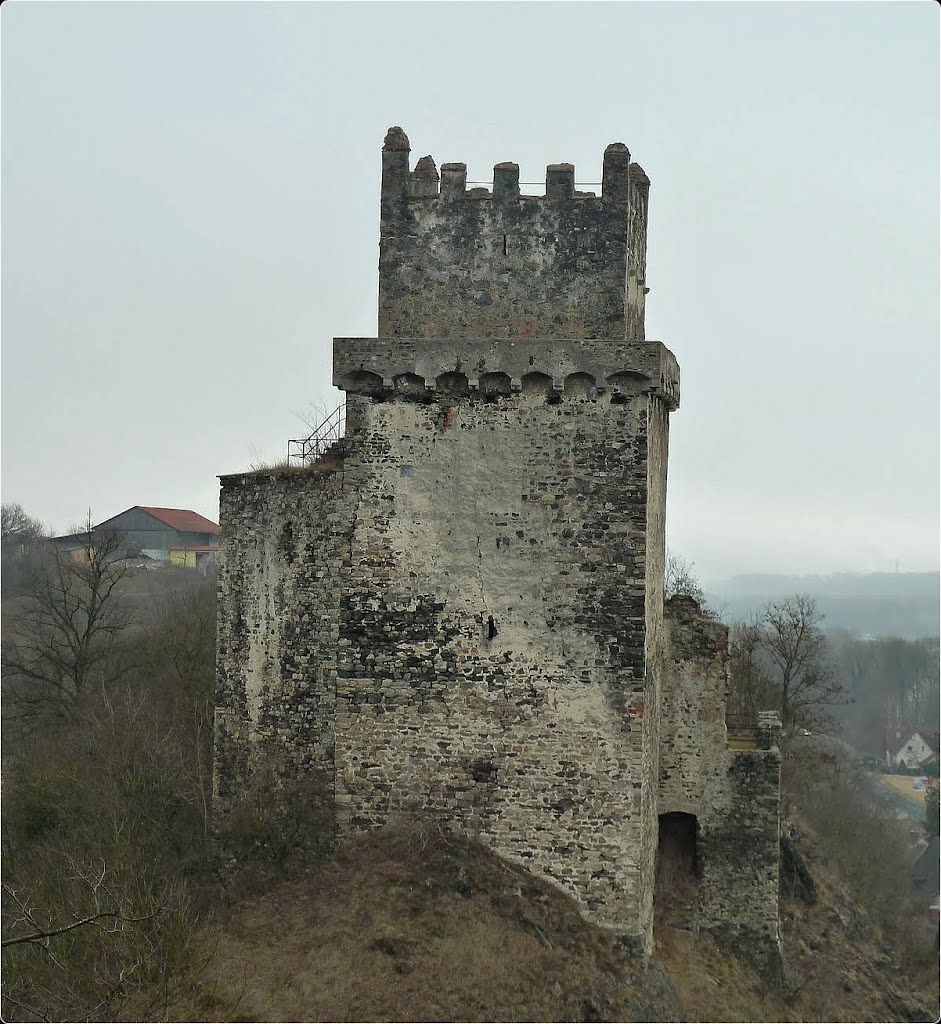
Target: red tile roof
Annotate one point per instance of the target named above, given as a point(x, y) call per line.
point(183, 519)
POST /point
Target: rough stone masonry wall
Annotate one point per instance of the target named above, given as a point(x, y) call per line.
point(284, 562)
point(657, 451)
point(492, 671)
point(459, 263)
point(739, 847)
point(734, 794)
point(694, 751)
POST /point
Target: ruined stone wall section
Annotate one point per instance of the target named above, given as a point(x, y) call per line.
point(493, 672)
point(734, 794)
point(283, 561)
point(739, 845)
point(459, 263)
point(693, 740)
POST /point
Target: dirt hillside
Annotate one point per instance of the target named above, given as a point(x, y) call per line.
point(413, 927)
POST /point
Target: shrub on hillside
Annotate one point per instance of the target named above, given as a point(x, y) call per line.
point(856, 830)
point(275, 826)
point(105, 833)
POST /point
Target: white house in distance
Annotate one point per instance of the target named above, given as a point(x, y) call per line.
point(909, 748)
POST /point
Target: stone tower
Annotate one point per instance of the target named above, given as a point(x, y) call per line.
point(459, 612)
point(514, 422)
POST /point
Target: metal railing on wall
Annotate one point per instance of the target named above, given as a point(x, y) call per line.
point(741, 729)
point(304, 450)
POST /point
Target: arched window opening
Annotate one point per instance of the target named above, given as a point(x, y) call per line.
point(625, 383)
point(409, 385)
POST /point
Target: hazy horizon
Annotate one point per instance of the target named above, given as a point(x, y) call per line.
point(190, 201)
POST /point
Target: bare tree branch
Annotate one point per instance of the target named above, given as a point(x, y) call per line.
point(69, 620)
point(781, 660)
point(91, 919)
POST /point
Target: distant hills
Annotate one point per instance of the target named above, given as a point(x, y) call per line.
point(905, 604)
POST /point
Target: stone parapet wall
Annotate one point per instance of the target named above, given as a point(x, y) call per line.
point(693, 747)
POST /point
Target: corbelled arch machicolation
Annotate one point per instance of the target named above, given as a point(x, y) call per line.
point(459, 613)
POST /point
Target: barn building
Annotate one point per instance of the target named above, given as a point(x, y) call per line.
point(176, 535)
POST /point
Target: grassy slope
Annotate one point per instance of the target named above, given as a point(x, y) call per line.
point(419, 928)
point(845, 967)
point(413, 927)
point(903, 785)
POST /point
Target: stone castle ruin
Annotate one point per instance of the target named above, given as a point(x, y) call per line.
point(458, 613)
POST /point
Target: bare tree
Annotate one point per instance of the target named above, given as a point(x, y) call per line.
point(178, 663)
point(68, 623)
point(751, 686)
point(680, 579)
point(105, 830)
point(18, 529)
point(797, 656)
point(21, 538)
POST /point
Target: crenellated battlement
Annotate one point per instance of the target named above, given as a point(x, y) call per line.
point(621, 180)
point(492, 262)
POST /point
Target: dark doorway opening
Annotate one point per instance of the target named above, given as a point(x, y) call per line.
point(678, 870)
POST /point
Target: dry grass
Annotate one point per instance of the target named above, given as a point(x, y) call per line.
point(710, 985)
point(902, 784)
point(405, 927)
point(321, 467)
point(843, 966)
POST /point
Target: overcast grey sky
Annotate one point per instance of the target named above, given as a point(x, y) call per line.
point(190, 199)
